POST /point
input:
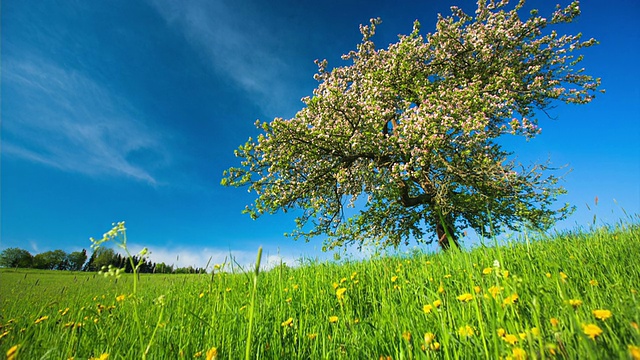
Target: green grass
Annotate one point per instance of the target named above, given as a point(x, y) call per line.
point(381, 311)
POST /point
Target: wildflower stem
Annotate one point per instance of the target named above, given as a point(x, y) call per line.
point(253, 301)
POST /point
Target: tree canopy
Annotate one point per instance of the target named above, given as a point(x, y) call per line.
point(413, 132)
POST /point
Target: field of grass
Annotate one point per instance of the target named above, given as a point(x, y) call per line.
point(572, 296)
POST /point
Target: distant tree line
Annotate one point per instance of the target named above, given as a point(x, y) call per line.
point(79, 261)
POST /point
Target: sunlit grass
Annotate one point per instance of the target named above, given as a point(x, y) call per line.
point(571, 296)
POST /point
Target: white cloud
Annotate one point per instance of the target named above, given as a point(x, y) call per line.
point(200, 257)
point(64, 119)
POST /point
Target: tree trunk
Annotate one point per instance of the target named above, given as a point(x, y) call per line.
point(443, 239)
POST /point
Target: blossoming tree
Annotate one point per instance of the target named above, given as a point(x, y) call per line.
point(408, 135)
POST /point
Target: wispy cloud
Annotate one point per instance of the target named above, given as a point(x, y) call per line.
point(62, 118)
point(234, 43)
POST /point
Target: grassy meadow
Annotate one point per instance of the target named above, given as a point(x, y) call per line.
point(573, 296)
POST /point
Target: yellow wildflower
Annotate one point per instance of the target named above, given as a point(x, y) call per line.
point(199, 296)
point(554, 322)
point(427, 308)
point(441, 289)
point(487, 271)
point(428, 337)
point(121, 297)
point(548, 275)
point(466, 331)
point(494, 290)
point(356, 321)
point(437, 303)
point(477, 289)
point(312, 336)
point(563, 276)
point(394, 278)
point(602, 314)
point(510, 299)
point(505, 273)
point(634, 352)
point(501, 332)
point(592, 330)
point(406, 335)
point(634, 325)
point(435, 346)
point(41, 319)
point(519, 354)
point(288, 322)
point(333, 319)
point(354, 274)
point(198, 354)
point(340, 293)
point(447, 276)
point(335, 285)
point(593, 282)
point(575, 303)
point(288, 300)
point(4, 334)
point(212, 353)
point(104, 356)
point(510, 338)
point(296, 286)
point(535, 331)
point(465, 297)
point(12, 352)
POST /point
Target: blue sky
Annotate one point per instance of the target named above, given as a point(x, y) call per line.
point(130, 110)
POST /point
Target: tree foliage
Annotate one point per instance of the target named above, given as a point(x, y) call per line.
point(413, 131)
point(15, 257)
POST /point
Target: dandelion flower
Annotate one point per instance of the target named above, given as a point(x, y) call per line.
point(441, 289)
point(535, 331)
point(519, 354)
point(437, 303)
point(41, 319)
point(104, 356)
point(602, 314)
point(510, 338)
point(466, 331)
point(501, 332)
point(394, 278)
point(487, 271)
point(510, 299)
point(12, 352)
point(212, 353)
point(288, 322)
point(592, 330)
point(575, 303)
point(340, 293)
point(465, 297)
point(494, 290)
point(593, 282)
point(427, 308)
point(563, 276)
point(312, 336)
point(428, 337)
point(554, 322)
point(548, 275)
point(435, 346)
point(634, 352)
point(477, 289)
point(333, 319)
point(407, 336)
